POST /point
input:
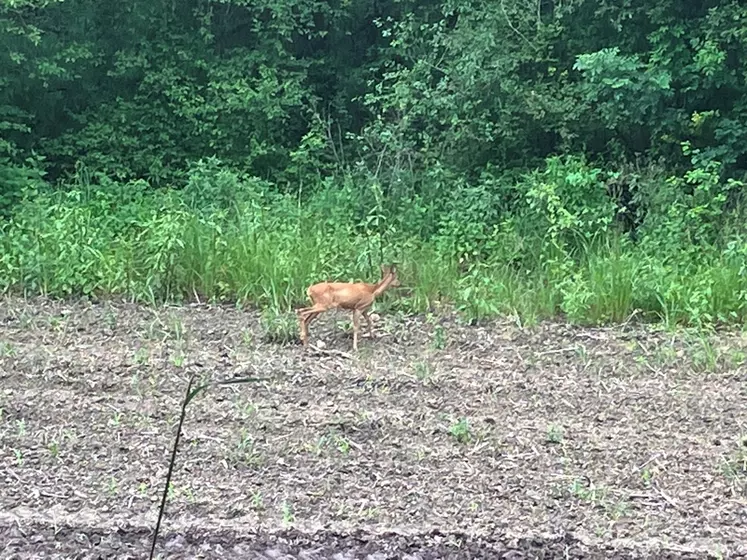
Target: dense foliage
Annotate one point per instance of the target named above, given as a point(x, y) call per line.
point(584, 157)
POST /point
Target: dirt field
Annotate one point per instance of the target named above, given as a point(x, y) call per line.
point(438, 440)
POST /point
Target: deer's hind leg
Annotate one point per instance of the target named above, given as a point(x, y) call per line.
point(306, 316)
point(356, 327)
point(303, 333)
point(367, 317)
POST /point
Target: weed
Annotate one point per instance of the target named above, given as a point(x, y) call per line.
point(177, 329)
point(113, 486)
point(69, 436)
point(288, 516)
point(257, 501)
point(245, 410)
point(245, 451)
point(705, 356)
point(341, 443)
point(588, 492)
point(142, 356)
point(7, 349)
point(177, 359)
point(116, 420)
point(110, 318)
point(368, 512)
point(190, 495)
point(460, 430)
point(737, 358)
point(618, 510)
point(582, 353)
point(54, 449)
point(25, 320)
point(331, 439)
point(734, 467)
point(136, 384)
point(279, 328)
point(365, 354)
point(422, 370)
point(554, 434)
point(438, 342)
point(666, 355)
point(647, 477)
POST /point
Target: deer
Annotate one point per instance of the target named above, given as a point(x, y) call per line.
point(353, 296)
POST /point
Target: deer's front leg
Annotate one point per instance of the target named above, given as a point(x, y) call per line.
point(356, 328)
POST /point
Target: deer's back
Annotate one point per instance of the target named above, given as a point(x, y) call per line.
point(342, 294)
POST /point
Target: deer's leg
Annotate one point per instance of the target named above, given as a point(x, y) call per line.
point(356, 328)
point(310, 318)
point(302, 325)
point(367, 317)
point(306, 316)
point(304, 330)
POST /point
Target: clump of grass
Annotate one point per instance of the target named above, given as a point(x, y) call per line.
point(705, 356)
point(587, 491)
point(422, 369)
point(142, 356)
point(258, 502)
point(461, 431)
point(734, 466)
point(737, 358)
point(331, 440)
point(7, 349)
point(245, 452)
point(279, 328)
point(554, 434)
point(438, 341)
point(288, 515)
point(599, 496)
point(177, 358)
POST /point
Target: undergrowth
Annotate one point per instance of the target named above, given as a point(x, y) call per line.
point(225, 237)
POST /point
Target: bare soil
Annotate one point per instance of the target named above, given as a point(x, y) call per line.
point(437, 440)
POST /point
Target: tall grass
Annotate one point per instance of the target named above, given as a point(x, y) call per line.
point(261, 248)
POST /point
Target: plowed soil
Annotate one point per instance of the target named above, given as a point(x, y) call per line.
point(436, 440)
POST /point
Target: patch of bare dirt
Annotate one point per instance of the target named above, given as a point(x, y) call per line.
point(437, 440)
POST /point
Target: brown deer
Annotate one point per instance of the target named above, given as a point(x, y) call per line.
point(356, 297)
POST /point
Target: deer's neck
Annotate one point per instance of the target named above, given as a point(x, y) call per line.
point(382, 285)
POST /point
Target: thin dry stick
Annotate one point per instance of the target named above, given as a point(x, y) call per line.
point(669, 500)
point(556, 351)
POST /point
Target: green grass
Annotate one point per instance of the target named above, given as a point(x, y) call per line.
point(264, 249)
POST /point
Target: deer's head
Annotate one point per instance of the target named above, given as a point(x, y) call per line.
point(389, 273)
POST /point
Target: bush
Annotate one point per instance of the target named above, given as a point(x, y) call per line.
point(226, 237)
